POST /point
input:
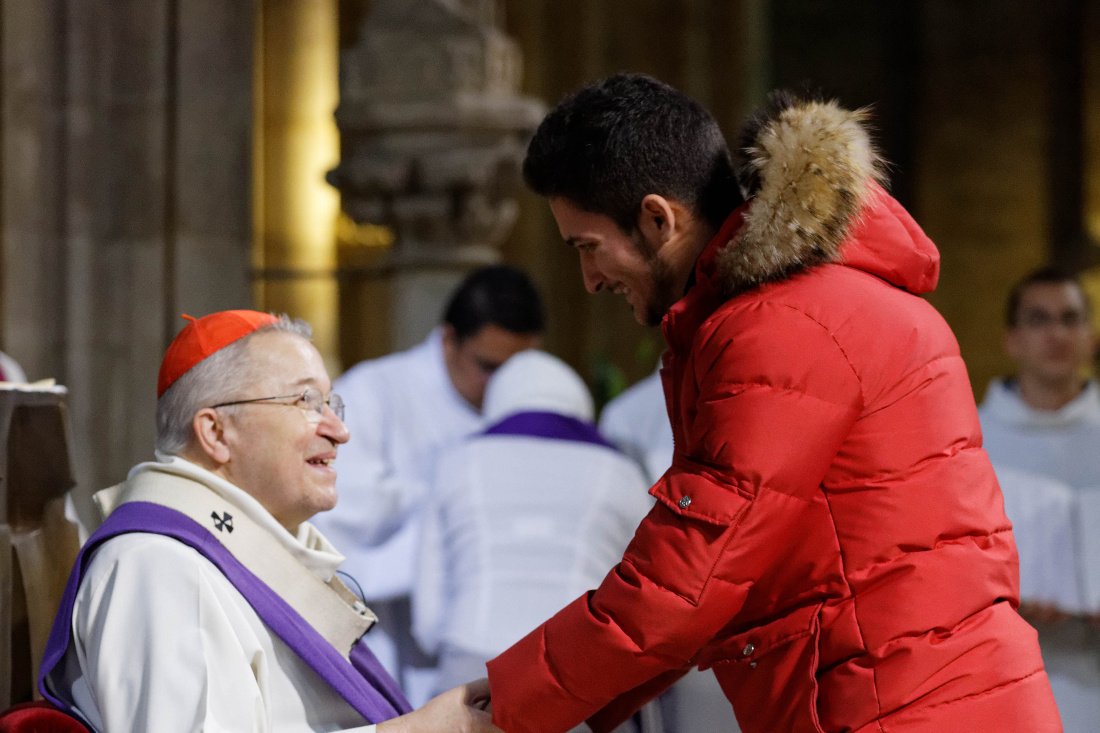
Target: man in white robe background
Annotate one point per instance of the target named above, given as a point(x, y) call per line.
point(188, 607)
point(1041, 429)
point(404, 410)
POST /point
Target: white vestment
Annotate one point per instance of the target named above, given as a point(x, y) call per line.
point(402, 412)
point(518, 524)
point(163, 642)
point(1043, 512)
point(1048, 465)
point(1062, 444)
point(637, 422)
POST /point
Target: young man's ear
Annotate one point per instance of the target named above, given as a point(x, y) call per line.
point(209, 432)
point(659, 218)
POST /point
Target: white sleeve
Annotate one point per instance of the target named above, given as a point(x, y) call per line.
point(373, 501)
point(429, 594)
point(1087, 517)
point(615, 425)
point(1043, 513)
point(157, 649)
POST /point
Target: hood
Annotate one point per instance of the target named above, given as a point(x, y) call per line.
point(534, 381)
point(814, 197)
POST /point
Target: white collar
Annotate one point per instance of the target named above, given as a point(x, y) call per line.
point(1003, 402)
point(308, 546)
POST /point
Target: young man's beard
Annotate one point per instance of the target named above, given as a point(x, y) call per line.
point(663, 293)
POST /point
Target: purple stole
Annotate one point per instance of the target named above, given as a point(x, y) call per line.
point(363, 682)
point(549, 425)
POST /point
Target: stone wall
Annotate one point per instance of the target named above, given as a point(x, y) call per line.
point(125, 139)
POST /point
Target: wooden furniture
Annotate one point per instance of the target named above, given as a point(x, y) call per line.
point(37, 543)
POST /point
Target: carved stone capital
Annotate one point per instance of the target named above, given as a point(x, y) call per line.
point(433, 129)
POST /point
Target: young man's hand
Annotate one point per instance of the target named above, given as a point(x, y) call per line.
point(462, 709)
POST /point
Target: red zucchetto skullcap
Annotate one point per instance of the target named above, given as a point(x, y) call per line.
point(202, 337)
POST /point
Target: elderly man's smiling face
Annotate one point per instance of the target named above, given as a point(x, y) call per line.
point(277, 451)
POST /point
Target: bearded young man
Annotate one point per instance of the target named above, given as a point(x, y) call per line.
point(830, 537)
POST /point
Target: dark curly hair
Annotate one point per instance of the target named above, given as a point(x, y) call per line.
point(608, 145)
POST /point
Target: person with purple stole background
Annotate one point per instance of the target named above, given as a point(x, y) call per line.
point(524, 516)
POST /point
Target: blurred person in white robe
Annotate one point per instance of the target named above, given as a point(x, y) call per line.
point(526, 515)
point(637, 422)
point(1041, 429)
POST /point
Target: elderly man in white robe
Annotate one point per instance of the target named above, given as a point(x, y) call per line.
point(206, 600)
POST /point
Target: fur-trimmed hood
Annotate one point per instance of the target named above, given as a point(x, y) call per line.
point(813, 184)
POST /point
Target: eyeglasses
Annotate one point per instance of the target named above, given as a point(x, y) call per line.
point(310, 400)
point(1039, 319)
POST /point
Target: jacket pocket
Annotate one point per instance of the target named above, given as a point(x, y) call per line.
point(692, 490)
point(769, 672)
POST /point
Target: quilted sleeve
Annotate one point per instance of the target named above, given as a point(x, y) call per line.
point(771, 396)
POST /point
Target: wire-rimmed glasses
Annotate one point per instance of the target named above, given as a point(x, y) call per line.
point(310, 400)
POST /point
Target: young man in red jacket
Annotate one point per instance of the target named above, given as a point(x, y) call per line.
point(830, 538)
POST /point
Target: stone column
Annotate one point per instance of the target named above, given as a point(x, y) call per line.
point(296, 143)
point(981, 190)
point(32, 42)
point(126, 148)
point(432, 135)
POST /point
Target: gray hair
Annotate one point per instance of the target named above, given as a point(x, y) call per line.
point(217, 378)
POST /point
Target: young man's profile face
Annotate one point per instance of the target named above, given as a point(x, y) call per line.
point(472, 360)
point(1053, 339)
point(616, 261)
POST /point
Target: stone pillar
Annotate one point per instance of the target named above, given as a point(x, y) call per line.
point(126, 146)
point(432, 135)
point(296, 144)
point(37, 544)
point(33, 184)
point(981, 187)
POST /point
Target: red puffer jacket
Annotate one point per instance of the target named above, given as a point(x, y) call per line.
point(830, 538)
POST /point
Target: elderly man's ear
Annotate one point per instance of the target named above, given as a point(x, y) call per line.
point(210, 435)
